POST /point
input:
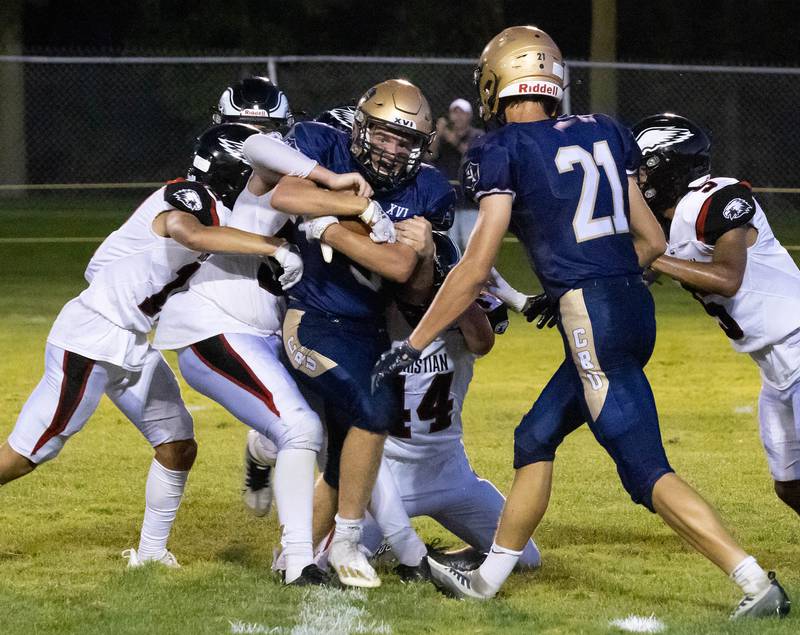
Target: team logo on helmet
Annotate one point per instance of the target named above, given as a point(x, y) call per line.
point(651, 139)
point(736, 208)
point(234, 148)
point(190, 198)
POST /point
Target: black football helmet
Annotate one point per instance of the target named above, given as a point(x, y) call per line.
point(675, 152)
point(340, 118)
point(218, 161)
point(256, 101)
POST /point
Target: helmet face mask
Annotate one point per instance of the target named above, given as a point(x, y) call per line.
point(675, 152)
point(255, 101)
point(218, 161)
point(392, 129)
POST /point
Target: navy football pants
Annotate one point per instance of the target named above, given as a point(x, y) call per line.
point(608, 328)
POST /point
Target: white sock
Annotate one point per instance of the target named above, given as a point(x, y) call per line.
point(407, 547)
point(750, 576)
point(261, 448)
point(162, 497)
point(294, 498)
point(498, 565)
point(347, 529)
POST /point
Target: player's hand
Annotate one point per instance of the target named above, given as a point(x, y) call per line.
point(352, 181)
point(314, 228)
point(540, 306)
point(392, 362)
point(651, 276)
point(380, 222)
point(416, 233)
point(288, 256)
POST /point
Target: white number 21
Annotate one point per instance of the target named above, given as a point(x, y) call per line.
point(586, 227)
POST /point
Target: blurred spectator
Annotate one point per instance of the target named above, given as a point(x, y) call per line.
point(454, 134)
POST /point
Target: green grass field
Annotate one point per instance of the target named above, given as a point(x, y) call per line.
point(63, 527)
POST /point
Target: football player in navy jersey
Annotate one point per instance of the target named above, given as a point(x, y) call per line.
point(561, 186)
point(334, 329)
point(721, 248)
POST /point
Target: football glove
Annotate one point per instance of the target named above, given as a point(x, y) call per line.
point(288, 256)
point(314, 228)
point(392, 362)
point(540, 306)
point(382, 226)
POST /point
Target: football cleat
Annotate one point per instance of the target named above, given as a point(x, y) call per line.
point(311, 575)
point(257, 491)
point(459, 584)
point(166, 559)
point(467, 559)
point(418, 573)
point(351, 565)
point(771, 602)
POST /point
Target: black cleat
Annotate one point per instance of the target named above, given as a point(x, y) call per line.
point(771, 602)
point(418, 573)
point(257, 491)
point(311, 575)
point(466, 559)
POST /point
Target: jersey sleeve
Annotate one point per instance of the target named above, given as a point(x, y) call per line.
point(312, 139)
point(193, 198)
point(486, 170)
point(631, 153)
point(443, 201)
point(729, 207)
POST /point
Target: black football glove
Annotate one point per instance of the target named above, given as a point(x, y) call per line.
point(540, 306)
point(392, 362)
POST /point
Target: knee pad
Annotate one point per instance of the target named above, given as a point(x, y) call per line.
point(303, 432)
point(789, 493)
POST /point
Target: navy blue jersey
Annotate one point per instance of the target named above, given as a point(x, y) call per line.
point(568, 177)
point(343, 287)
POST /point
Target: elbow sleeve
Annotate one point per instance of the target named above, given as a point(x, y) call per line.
point(268, 152)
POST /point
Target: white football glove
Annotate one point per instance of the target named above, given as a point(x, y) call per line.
point(288, 256)
point(314, 228)
point(382, 226)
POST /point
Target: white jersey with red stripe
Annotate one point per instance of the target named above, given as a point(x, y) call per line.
point(763, 315)
point(434, 388)
point(228, 294)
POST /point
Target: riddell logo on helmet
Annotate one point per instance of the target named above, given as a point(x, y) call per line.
point(540, 88)
point(253, 112)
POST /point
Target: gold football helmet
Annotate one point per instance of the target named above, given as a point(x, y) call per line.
point(520, 61)
point(392, 129)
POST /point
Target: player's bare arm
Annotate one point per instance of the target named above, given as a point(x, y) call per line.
point(467, 278)
point(299, 196)
point(476, 329)
point(722, 276)
point(191, 233)
point(416, 233)
point(648, 237)
point(393, 261)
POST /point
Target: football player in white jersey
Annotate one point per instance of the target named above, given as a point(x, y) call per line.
point(98, 343)
point(226, 329)
point(722, 249)
point(424, 457)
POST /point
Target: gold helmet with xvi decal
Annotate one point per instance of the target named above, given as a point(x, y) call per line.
point(392, 129)
point(521, 61)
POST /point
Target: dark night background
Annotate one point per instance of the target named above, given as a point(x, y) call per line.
point(709, 31)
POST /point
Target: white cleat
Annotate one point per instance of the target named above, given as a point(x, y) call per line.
point(460, 584)
point(771, 602)
point(166, 559)
point(351, 565)
point(257, 490)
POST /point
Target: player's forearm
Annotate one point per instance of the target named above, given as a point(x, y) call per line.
point(460, 288)
point(476, 329)
point(298, 196)
point(707, 277)
point(419, 287)
point(227, 240)
point(392, 261)
point(647, 250)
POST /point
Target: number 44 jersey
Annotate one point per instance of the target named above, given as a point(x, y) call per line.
point(763, 317)
point(433, 390)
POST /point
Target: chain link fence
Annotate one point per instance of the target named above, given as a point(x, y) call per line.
point(96, 133)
